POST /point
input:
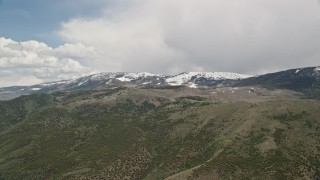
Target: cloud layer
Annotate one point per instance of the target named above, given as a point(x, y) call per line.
point(165, 36)
point(31, 62)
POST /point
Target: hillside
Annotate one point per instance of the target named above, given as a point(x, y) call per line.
point(305, 80)
point(161, 132)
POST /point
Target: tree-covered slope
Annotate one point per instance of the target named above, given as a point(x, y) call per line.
point(157, 133)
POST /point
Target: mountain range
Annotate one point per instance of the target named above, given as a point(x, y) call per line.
point(193, 125)
point(305, 80)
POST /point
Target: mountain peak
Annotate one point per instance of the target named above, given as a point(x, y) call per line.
point(294, 79)
point(189, 77)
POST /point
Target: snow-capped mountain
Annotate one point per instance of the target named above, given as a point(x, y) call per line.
point(105, 80)
point(121, 76)
point(194, 79)
point(301, 79)
point(114, 79)
point(305, 80)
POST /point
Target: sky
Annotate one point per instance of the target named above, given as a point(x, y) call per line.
point(43, 40)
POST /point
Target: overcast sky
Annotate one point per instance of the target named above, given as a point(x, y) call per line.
point(45, 40)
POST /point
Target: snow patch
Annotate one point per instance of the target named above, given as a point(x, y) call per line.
point(83, 82)
point(35, 89)
point(127, 77)
point(193, 85)
point(298, 70)
point(102, 76)
point(124, 79)
point(53, 83)
point(146, 83)
point(188, 76)
point(108, 82)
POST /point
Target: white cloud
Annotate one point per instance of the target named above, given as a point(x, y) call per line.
point(77, 50)
point(246, 36)
point(20, 81)
point(31, 62)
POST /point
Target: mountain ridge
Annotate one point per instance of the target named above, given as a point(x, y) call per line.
point(140, 78)
point(251, 128)
point(306, 80)
point(158, 133)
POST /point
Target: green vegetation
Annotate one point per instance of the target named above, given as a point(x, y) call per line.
point(155, 133)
